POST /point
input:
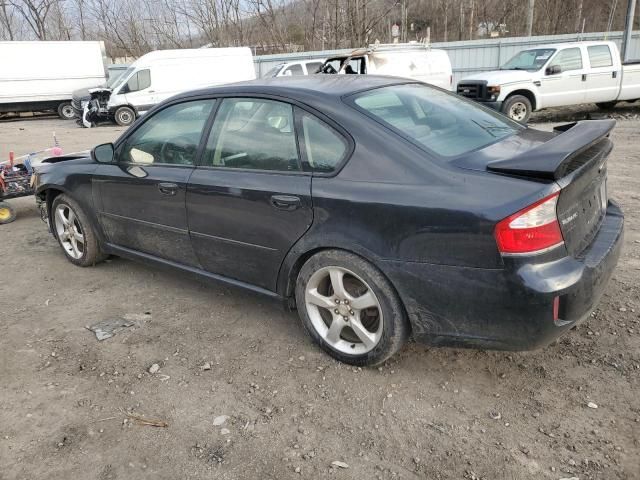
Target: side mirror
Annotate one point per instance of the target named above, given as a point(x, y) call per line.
point(553, 70)
point(103, 153)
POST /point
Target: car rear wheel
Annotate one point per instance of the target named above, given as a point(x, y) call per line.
point(125, 116)
point(7, 213)
point(350, 309)
point(65, 111)
point(74, 232)
point(518, 108)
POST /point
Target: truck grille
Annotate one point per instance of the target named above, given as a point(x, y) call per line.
point(474, 91)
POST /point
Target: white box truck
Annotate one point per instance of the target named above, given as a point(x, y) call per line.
point(161, 74)
point(40, 76)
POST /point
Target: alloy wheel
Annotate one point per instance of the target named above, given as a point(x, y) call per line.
point(69, 231)
point(344, 310)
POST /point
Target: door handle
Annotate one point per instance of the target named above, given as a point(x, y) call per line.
point(614, 74)
point(168, 188)
point(285, 202)
point(584, 77)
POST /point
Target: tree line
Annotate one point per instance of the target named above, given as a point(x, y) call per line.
point(134, 27)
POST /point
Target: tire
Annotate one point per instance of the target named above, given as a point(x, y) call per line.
point(518, 108)
point(85, 252)
point(606, 105)
point(7, 213)
point(383, 324)
point(125, 116)
point(66, 112)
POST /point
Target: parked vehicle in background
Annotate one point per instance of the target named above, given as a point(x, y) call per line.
point(410, 60)
point(82, 96)
point(302, 67)
point(41, 76)
point(161, 74)
point(361, 201)
point(556, 76)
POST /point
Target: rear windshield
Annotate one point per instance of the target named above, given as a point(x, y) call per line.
point(440, 122)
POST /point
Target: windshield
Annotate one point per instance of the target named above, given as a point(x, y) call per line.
point(115, 75)
point(120, 78)
point(272, 72)
point(442, 123)
point(529, 59)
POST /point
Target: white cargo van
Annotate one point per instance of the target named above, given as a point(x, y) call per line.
point(410, 60)
point(39, 76)
point(159, 75)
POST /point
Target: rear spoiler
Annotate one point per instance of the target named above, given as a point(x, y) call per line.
point(547, 161)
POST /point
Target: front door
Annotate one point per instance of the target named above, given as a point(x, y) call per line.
point(568, 86)
point(141, 197)
point(139, 91)
point(249, 201)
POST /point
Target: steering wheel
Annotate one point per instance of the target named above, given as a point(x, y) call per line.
point(177, 151)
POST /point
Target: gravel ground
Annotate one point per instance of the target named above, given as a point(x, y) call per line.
point(70, 406)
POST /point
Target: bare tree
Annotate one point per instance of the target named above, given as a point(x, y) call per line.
point(35, 13)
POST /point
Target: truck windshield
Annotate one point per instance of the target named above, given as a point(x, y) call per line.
point(439, 122)
point(529, 59)
point(115, 75)
point(118, 79)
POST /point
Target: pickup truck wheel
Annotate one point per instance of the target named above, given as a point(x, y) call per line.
point(7, 213)
point(65, 111)
point(74, 232)
point(518, 108)
point(125, 116)
point(606, 105)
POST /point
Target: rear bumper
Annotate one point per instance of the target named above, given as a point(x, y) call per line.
point(509, 308)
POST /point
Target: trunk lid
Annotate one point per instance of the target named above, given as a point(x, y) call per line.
point(574, 156)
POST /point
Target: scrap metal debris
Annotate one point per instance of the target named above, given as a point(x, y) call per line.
point(108, 328)
point(140, 420)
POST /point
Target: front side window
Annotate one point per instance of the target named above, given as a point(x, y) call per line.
point(533, 59)
point(255, 134)
point(324, 147)
point(312, 67)
point(170, 137)
point(295, 69)
point(439, 122)
point(138, 81)
point(569, 59)
point(600, 56)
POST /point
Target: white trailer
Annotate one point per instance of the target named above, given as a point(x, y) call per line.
point(37, 76)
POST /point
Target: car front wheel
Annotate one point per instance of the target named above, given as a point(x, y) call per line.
point(125, 116)
point(350, 309)
point(74, 232)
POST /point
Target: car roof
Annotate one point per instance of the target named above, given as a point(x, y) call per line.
point(320, 86)
point(571, 44)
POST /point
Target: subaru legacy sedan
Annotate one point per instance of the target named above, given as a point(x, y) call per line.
point(380, 208)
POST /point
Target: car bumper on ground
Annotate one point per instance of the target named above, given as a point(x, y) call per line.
point(510, 308)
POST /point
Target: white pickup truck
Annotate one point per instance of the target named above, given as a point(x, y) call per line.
point(556, 76)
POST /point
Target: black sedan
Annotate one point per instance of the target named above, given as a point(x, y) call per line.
point(380, 208)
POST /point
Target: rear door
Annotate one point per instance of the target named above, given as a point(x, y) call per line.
point(603, 79)
point(249, 200)
point(141, 197)
point(567, 87)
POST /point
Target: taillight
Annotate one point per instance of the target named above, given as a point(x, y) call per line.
point(530, 230)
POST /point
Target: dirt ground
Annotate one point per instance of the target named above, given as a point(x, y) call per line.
point(68, 403)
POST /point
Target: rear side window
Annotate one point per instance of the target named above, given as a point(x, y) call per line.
point(439, 122)
point(324, 147)
point(569, 59)
point(600, 56)
point(253, 134)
